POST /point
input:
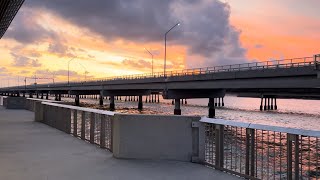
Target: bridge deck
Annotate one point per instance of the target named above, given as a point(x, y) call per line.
point(30, 150)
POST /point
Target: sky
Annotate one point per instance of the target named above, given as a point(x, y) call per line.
point(99, 39)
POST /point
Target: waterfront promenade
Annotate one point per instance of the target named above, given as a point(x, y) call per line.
point(33, 151)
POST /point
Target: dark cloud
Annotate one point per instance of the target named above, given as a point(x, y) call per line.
point(205, 28)
point(25, 29)
point(23, 61)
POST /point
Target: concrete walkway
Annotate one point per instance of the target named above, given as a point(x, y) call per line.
point(34, 151)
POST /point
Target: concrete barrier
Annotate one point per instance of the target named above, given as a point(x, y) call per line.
point(13, 102)
point(155, 137)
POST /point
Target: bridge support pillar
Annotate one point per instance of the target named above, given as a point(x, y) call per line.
point(212, 111)
point(30, 95)
point(59, 97)
point(275, 104)
point(23, 94)
point(112, 105)
point(222, 101)
point(77, 100)
point(37, 95)
point(101, 100)
point(177, 110)
point(158, 98)
point(265, 104)
point(47, 96)
point(271, 106)
point(152, 98)
point(146, 99)
point(56, 97)
point(41, 95)
point(140, 105)
point(172, 102)
point(261, 104)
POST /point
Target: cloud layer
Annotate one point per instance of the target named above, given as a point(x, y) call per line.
point(205, 30)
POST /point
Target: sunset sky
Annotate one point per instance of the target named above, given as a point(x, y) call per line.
point(107, 38)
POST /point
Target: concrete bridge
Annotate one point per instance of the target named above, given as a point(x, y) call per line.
point(298, 77)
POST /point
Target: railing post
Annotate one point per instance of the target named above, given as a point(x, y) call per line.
point(75, 123)
point(219, 145)
point(290, 138)
point(83, 125)
point(250, 152)
point(296, 156)
point(102, 131)
point(92, 127)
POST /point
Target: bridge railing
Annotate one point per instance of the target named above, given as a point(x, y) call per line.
point(92, 125)
point(285, 63)
point(262, 152)
point(274, 64)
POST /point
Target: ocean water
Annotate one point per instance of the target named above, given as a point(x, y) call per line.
point(293, 113)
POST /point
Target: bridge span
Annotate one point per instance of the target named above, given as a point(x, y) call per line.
point(298, 77)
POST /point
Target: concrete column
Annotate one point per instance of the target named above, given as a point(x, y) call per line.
point(219, 102)
point(41, 95)
point(185, 101)
point(23, 94)
point(271, 106)
point(30, 95)
point(222, 101)
point(77, 100)
point(177, 110)
point(261, 104)
point(275, 104)
point(140, 105)
point(56, 97)
point(149, 98)
point(59, 97)
point(172, 102)
point(112, 105)
point(158, 98)
point(212, 111)
point(37, 95)
point(47, 96)
point(120, 98)
point(182, 101)
point(265, 104)
point(152, 98)
point(101, 100)
point(146, 99)
point(125, 99)
point(215, 102)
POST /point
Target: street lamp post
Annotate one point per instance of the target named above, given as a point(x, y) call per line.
point(152, 59)
point(85, 72)
point(69, 69)
point(165, 48)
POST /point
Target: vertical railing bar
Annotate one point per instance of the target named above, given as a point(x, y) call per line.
point(301, 154)
point(231, 143)
point(75, 123)
point(296, 157)
point(83, 125)
point(241, 137)
point(252, 151)
point(317, 158)
point(274, 155)
point(309, 150)
point(237, 150)
point(262, 155)
point(268, 152)
point(256, 151)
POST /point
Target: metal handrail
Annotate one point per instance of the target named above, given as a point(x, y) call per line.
point(274, 64)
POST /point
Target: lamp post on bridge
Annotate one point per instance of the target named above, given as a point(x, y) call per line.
point(85, 72)
point(69, 69)
point(152, 59)
point(165, 48)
